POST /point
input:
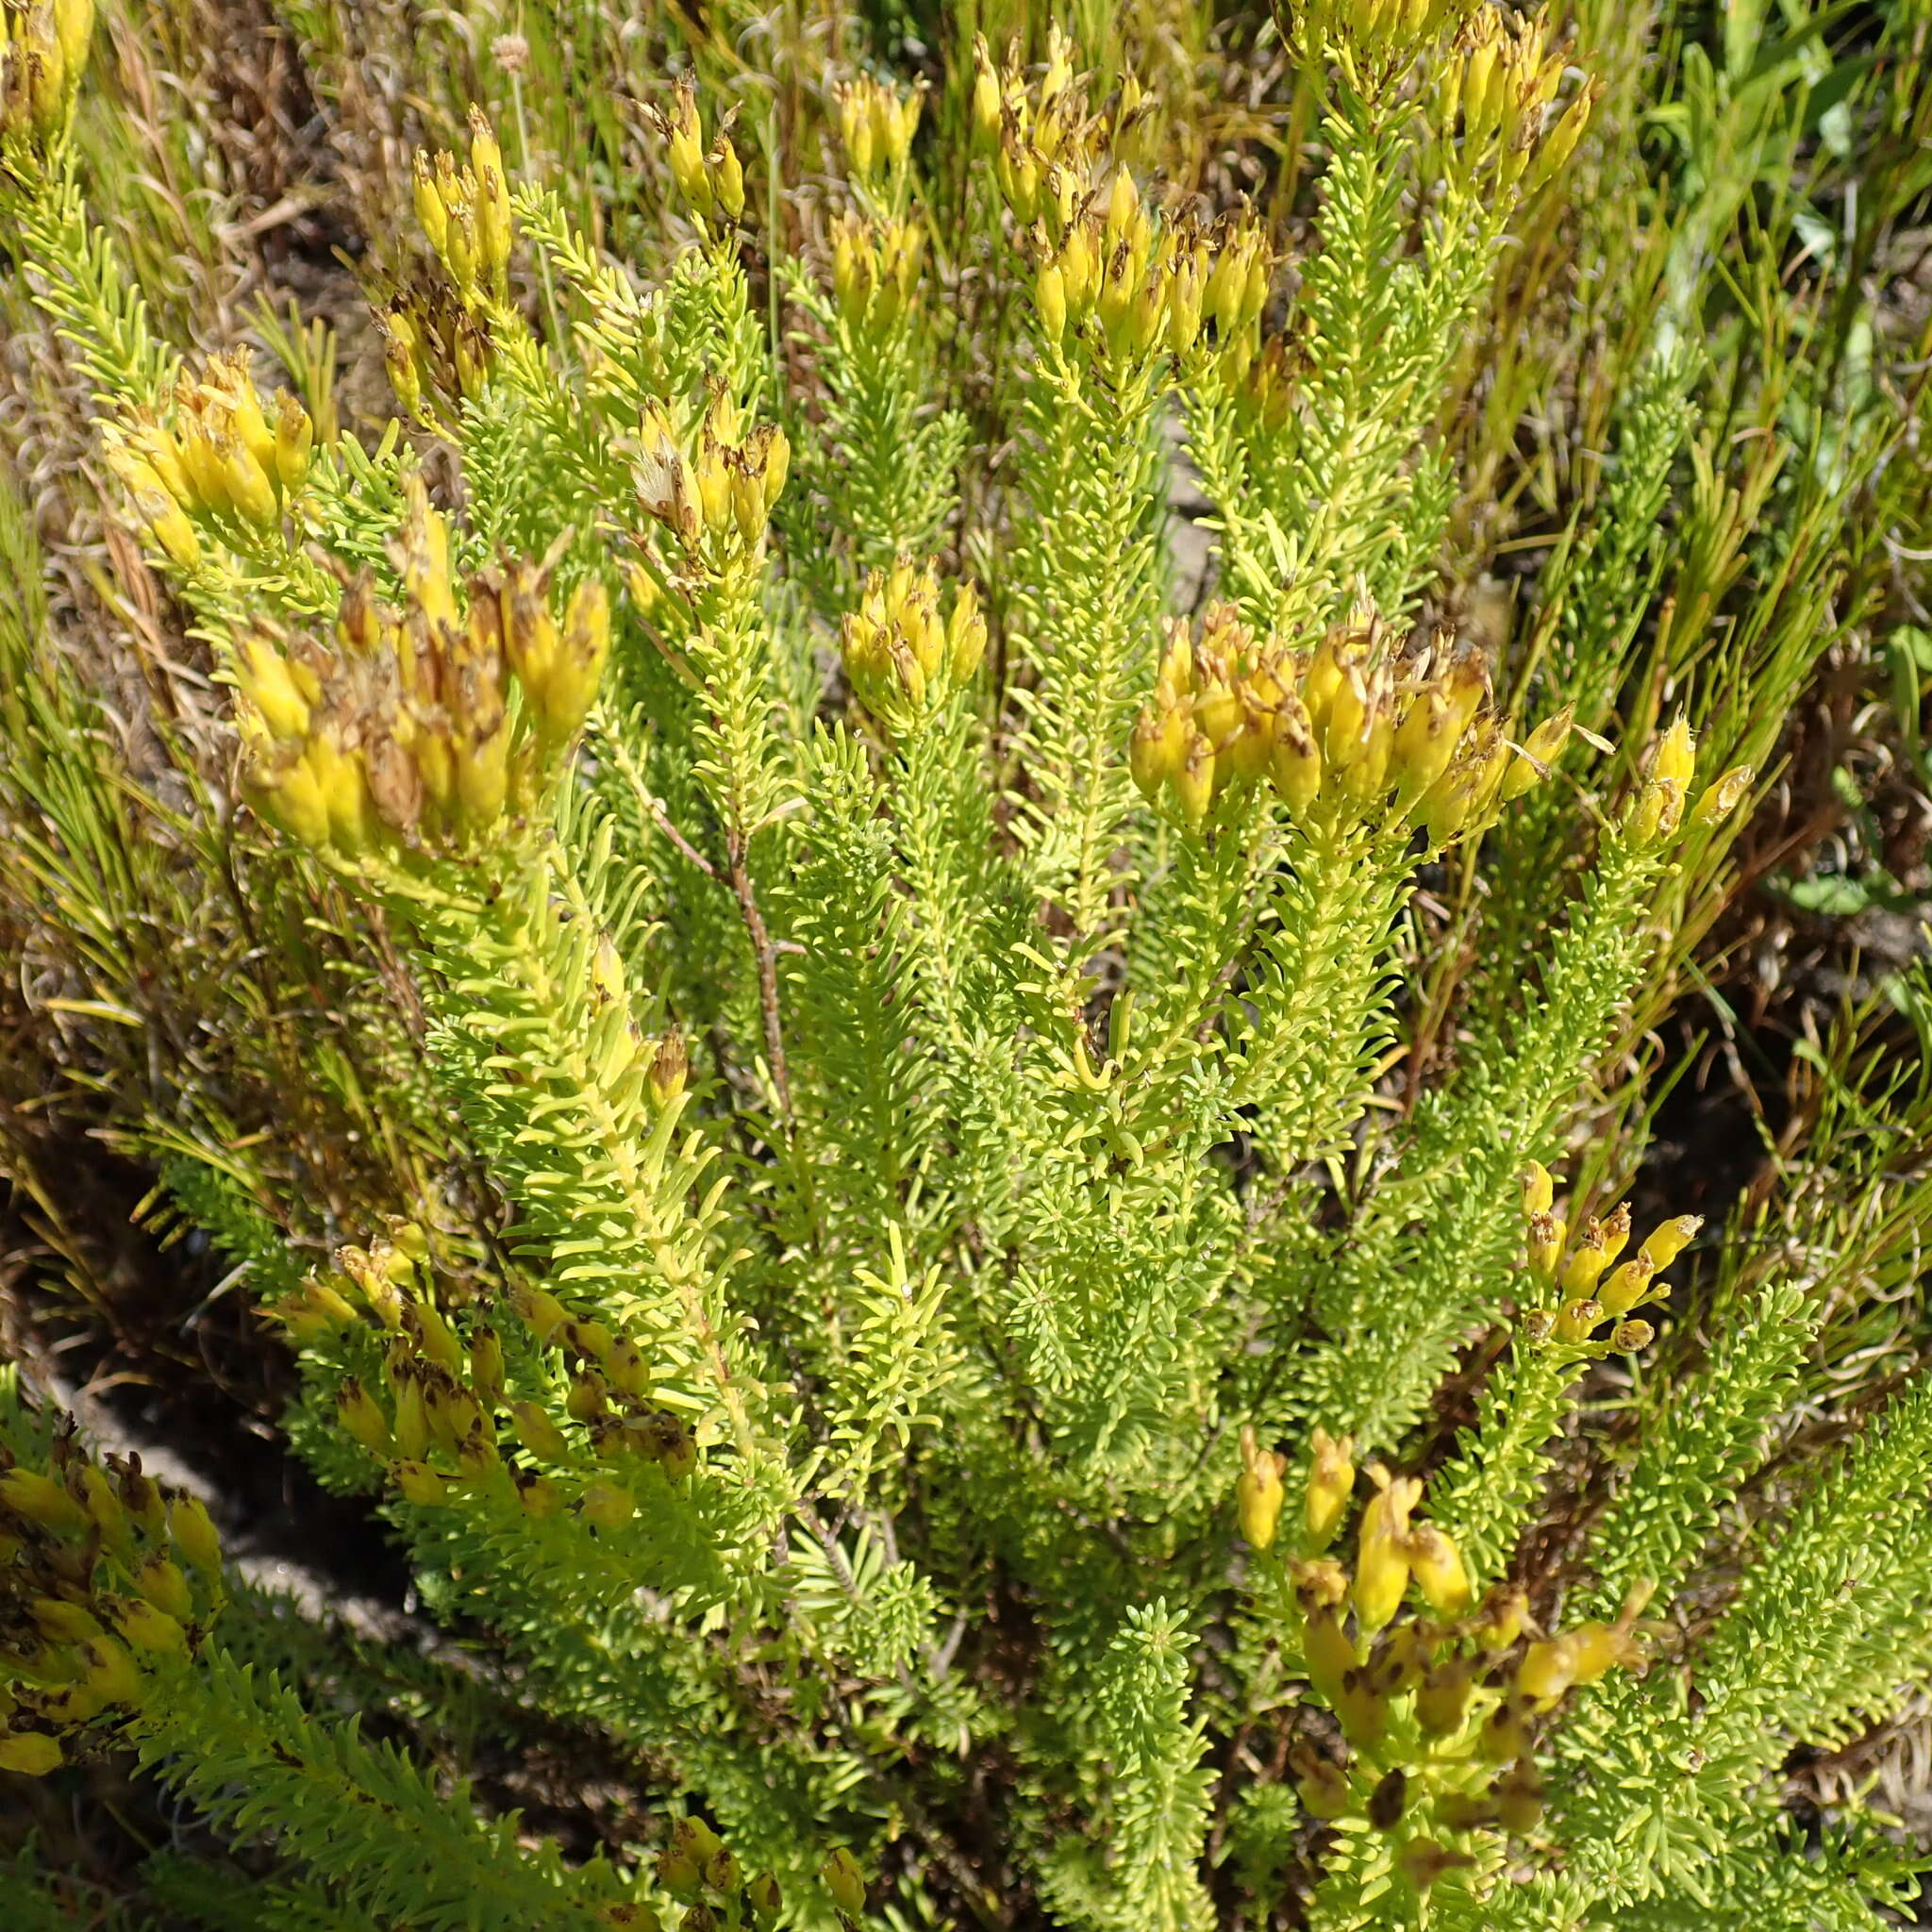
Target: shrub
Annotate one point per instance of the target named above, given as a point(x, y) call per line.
point(965, 1192)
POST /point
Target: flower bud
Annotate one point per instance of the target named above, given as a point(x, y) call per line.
point(1363, 1710)
point(231, 388)
point(266, 679)
point(1626, 1287)
point(1505, 1733)
point(1156, 750)
point(1294, 764)
point(1423, 1861)
point(1050, 300)
point(1719, 800)
point(1465, 1812)
point(777, 448)
point(1331, 1481)
point(965, 637)
point(1657, 813)
point(104, 1506)
point(419, 1484)
point(1443, 1698)
point(670, 1066)
point(608, 1505)
point(845, 1881)
point(582, 647)
point(1519, 1795)
point(194, 1535)
point(405, 379)
point(1548, 1669)
point(1596, 1648)
point(1539, 750)
point(1438, 1567)
point(1320, 1584)
point(1614, 1230)
point(60, 1622)
point(492, 203)
point(157, 446)
point(1425, 742)
point(675, 1447)
point(32, 1754)
point(679, 1868)
point(539, 1496)
point(1498, 1624)
point(1587, 1261)
point(431, 216)
point(986, 98)
point(631, 1916)
point(1544, 1246)
point(485, 1365)
point(1446, 807)
point(544, 1313)
point(537, 1433)
point(1257, 1490)
point(588, 1396)
point(40, 1500)
point(1669, 1240)
point(295, 443)
point(248, 486)
point(748, 507)
point(1539, 1189)
point(590, 1341)
point(1400, 1660)
point(728, 179)
point(1327, 1654)
point(169, 527)
point(1674, 759)
point(161, 1582)
point(360, 1417)
point(1576, 1320)
point(425, 1322)
point(1382, 1568)
point(1193, 784)
point(1321, 1786)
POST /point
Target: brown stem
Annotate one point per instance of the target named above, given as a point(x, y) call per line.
point(661, 818)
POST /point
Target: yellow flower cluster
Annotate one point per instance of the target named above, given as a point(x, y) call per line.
point(876, 265)
point(1657, 814)
point(1501, 78)
point(42, 49)
point(101, 1572)
point(444, 1419)
point(1582, 1275)
point(219, 462)
point(433, 341)
point(900, 657)
point(712, 180)
point(716, 496)
point(1437, 1709)
point(1370, 41)
point(465, 214)
point(1109, 269)
point(402, 734)
point(876, 124)
point(699, 1870)
point(1349, 729)
point(1265, 386)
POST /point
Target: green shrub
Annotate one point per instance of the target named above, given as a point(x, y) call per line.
point(969, 1203)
